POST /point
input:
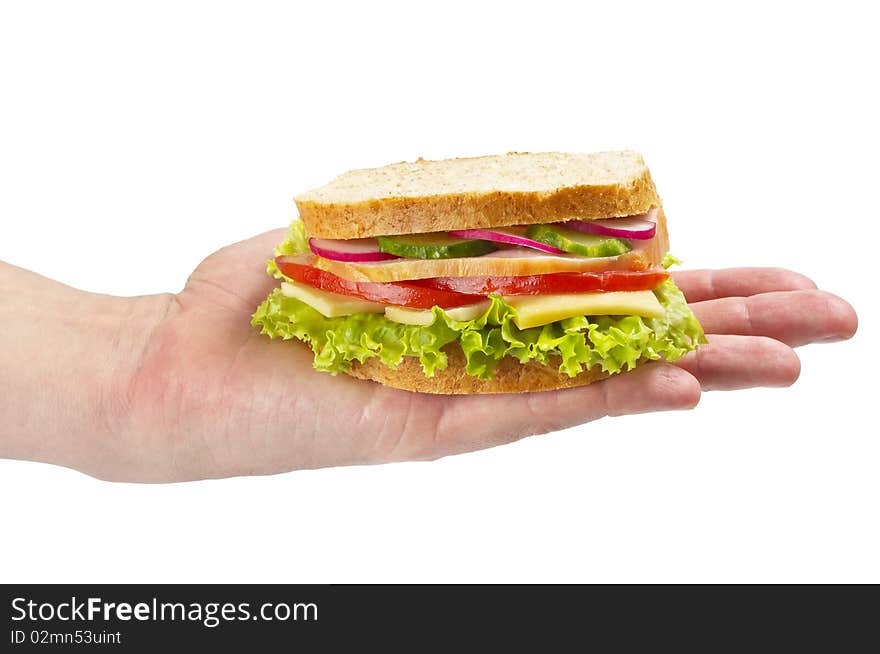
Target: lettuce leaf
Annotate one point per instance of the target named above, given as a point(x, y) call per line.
point(614, 343)
point(295, 243)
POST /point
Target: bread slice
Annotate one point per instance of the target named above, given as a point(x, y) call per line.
point(510, 376)
point(517, 188)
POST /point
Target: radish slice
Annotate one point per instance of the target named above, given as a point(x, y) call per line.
point(641, 227)
point(350, 249)
point(510, 236)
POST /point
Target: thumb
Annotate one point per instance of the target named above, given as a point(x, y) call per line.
point(481, 421)
point(240, 268)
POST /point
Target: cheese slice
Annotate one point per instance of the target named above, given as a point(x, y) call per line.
point(330, 305)
point(531, 310)
point(535, 310)
point(424, 317)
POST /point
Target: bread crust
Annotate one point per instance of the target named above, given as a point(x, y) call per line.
point(435, 213)
point(510, 376)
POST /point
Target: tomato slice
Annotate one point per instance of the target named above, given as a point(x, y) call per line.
point(404, 294)
point(611, 280)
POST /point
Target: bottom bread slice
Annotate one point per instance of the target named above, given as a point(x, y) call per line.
point(511, 376)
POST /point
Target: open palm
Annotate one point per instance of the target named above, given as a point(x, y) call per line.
point(212, 397)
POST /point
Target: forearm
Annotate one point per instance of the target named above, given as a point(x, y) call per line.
point(65, 359)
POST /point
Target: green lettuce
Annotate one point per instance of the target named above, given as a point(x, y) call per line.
point(295, 243)
point(614, 343)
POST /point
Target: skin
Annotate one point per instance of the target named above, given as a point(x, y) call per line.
point(137, 389)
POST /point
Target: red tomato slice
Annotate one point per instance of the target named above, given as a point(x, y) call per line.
point(404, 294)
point(611, 280)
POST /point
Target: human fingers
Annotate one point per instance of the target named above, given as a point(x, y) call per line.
point(239, 269)
point(793, 317)
point(481, 421)
point(728, 363)
point(700, 285)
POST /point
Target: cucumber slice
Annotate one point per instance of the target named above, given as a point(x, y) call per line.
point(436, 245)
point(585, 245)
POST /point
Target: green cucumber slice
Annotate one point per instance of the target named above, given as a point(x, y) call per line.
point(435, 245)
point(585, 245)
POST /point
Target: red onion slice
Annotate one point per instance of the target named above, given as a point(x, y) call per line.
point(509, 236)
point(350, 249)
point(641, 227)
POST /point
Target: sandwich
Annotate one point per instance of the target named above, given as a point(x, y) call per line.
point(497, 274)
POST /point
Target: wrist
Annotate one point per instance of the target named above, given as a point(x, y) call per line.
point(65, 358)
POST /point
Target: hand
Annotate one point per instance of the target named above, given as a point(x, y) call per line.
point(207, 396)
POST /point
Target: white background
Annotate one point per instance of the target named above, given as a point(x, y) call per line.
point(136, 138)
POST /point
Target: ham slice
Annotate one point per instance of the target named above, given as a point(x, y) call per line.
point(510, 262)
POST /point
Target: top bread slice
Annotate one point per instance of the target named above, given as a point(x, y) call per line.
point(517, 188)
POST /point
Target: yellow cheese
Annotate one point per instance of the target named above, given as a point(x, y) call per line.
point(423, 317)
point(329, 304)
point(535, 310)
